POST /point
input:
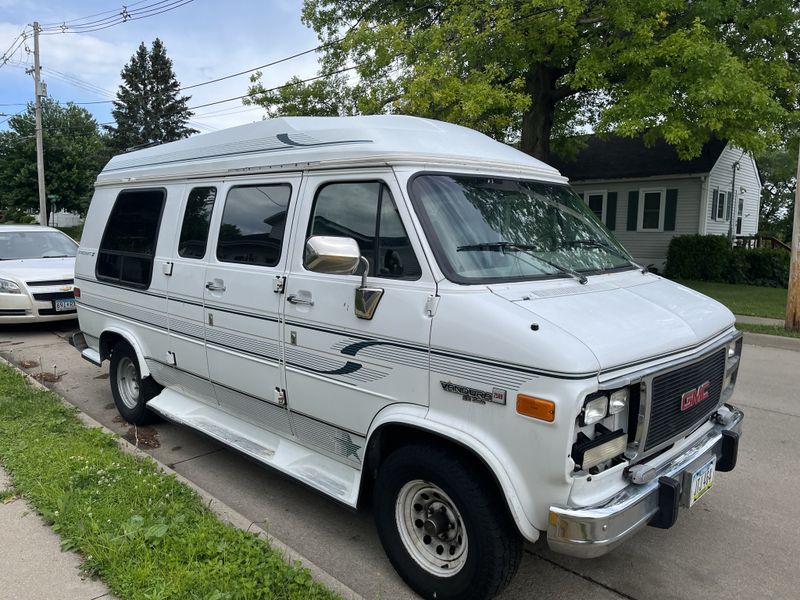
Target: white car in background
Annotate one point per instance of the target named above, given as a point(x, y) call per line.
point(37, 270)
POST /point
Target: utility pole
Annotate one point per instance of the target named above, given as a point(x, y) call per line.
point(793, 297)
point(37, 73)
point(732, 204)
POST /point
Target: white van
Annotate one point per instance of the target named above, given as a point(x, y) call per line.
point(402, 311)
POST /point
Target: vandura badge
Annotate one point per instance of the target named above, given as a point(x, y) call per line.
point(468, 394)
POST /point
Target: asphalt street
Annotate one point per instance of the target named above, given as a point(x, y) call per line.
point(741, 540)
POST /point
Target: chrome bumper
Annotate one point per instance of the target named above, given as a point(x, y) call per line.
point(588, 532)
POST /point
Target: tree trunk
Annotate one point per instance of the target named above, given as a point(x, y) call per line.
point(537, 122)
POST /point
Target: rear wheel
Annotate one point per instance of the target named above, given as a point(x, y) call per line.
point(443, 525)
point(131, 392)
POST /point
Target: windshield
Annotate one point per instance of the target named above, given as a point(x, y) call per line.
point(15, 245)
point(489, 229)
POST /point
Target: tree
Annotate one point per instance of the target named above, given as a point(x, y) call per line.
point(74, 153)
point(778, 168)
point(533, 71)
point(149, 108)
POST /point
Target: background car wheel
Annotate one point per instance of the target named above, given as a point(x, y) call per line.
point(444, 525)
point(130, 391)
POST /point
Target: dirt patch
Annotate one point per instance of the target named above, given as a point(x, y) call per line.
point(119, 419)
point(28, 364)
point(110, 406)
point(47, 377)
point(143, 436)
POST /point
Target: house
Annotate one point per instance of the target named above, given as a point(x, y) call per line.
point(648, 195)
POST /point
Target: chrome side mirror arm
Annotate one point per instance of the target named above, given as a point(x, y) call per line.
point(367, 298)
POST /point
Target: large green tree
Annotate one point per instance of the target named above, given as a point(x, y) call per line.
point(149, 108)
point(74, 153)
point(533, 71)
point(778, 169)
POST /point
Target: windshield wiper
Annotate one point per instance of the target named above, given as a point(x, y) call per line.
point(528, 248)
point(606, 246)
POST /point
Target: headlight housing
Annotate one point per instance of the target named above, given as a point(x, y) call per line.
point(9, 287)
point(595, 409)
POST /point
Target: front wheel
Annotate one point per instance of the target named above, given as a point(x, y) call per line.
point(444, 525)
point(131, 392)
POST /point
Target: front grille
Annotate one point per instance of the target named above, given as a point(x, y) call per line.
point(50, 282)
point(12, 312)
point(45, 296)
point(666, 417)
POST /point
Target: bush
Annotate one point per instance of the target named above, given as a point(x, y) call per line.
point(14, 215)
point(710, 258)
point(701, 257)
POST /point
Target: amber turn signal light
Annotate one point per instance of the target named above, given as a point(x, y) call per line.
point(544, 410)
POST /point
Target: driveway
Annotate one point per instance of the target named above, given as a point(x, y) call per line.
point(740, 541)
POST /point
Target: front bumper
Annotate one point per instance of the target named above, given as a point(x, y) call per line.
point(588, 532)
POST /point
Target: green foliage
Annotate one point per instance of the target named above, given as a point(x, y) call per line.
point(768, 329)
point(743, 299)
point(527, 71)
point(710, 258)
point(149, 108)
point(143, 532)
point(15, 215)
point(74, 153)
point(778, 169)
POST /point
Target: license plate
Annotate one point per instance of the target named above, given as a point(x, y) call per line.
point(64, 304)
point(702, 480)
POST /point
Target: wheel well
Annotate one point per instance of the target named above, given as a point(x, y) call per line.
point(392, 436)
point(109, 339)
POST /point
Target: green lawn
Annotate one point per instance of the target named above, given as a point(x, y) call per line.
point(768, 329)
point(750, 300)
point(142, 531)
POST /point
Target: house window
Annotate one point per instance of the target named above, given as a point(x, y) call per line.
point(597, 204)
point(651, 211)
point(739, 214)
point(720, 206)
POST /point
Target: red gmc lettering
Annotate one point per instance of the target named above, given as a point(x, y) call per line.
point(695, 397)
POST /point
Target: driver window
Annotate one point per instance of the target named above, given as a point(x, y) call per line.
point(366, 212)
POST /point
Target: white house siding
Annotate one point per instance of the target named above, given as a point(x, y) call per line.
point(650, 247)
point(721, 178)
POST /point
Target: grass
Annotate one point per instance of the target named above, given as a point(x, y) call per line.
point(143, 532)
point(750, 300)
point(768, 329)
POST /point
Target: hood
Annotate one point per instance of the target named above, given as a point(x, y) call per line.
point(38, 269)
point(626, 317)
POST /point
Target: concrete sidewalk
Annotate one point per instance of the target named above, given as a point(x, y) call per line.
point(758, 320)
point(32, 565)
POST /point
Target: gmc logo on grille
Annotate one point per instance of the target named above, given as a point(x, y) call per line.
point(695, 396)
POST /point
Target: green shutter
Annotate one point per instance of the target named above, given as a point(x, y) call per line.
point(671, 210)
point(633, 209)
point(611, 210)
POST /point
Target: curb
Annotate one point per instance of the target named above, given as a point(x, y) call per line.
point(225, 513)
point(772, 341)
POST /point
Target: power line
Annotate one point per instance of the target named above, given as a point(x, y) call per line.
point(107, 12)
point(123, 16)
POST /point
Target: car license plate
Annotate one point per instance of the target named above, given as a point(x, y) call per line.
point(702, 480)
point(64, 304)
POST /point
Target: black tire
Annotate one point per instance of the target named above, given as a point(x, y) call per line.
point(494, 548)
point(131, 392)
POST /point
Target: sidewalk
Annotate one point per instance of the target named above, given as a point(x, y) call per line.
point(758, 320)
point(32, 565)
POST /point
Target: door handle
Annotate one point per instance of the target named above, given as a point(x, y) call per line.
point(215, 286)
point(300, 300)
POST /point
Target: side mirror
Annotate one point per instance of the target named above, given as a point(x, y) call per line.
point(334, 255)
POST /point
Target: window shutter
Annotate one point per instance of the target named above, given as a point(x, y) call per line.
point(633, 209)
point(671, 210)
point(611, 210)
point(714, 203)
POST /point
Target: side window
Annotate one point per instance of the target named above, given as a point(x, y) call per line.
point(129, 241)
point(196, 221)
point(366, 212)
point(253, 224)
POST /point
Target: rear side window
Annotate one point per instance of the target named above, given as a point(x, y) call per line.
point(366, 212)
point(253, 224)
point(196, 221)
point(129, 241)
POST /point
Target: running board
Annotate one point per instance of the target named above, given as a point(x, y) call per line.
point(324, 474)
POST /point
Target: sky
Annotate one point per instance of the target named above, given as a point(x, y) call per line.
point(205, 39)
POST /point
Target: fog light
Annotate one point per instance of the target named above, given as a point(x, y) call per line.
point(618, 401)
point(595, 410)
point(589, 453)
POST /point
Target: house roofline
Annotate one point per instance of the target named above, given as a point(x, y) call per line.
point(635, 179)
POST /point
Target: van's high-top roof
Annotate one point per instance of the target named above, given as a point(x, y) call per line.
point(292, 143)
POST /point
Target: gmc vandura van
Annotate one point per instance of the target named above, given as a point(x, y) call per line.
point(406, 312)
